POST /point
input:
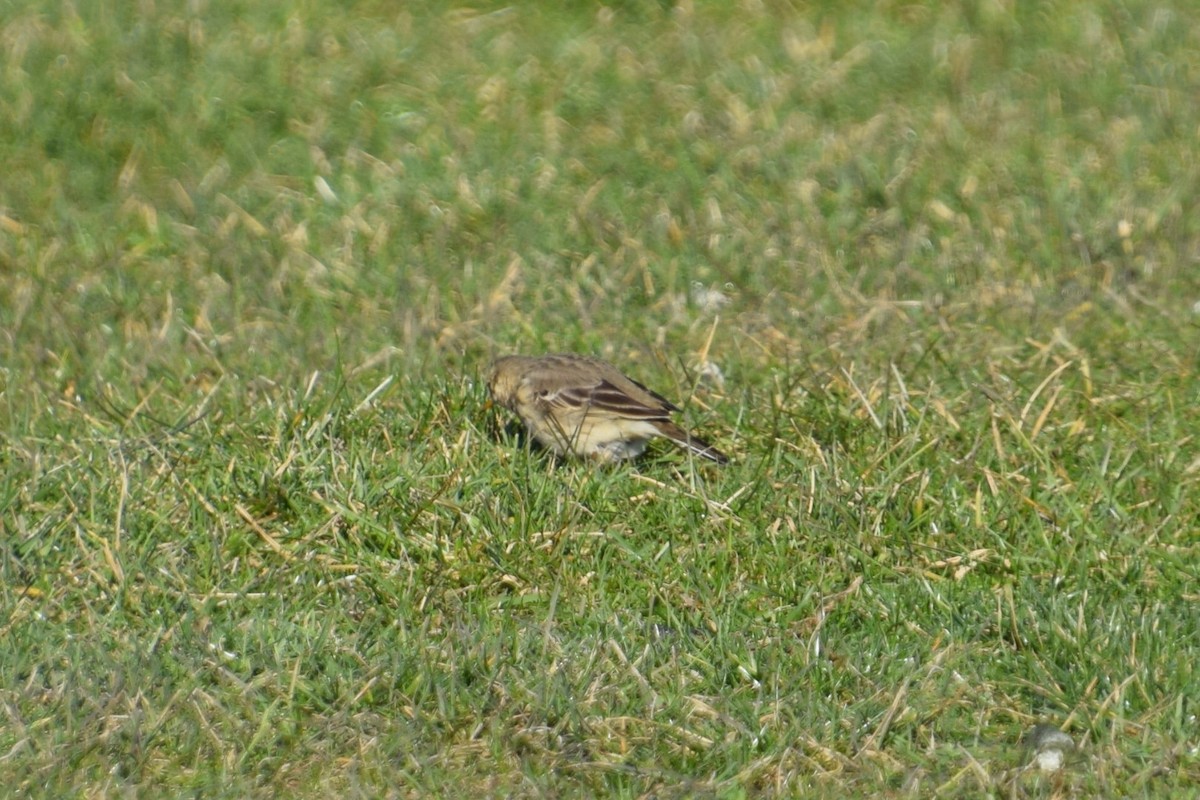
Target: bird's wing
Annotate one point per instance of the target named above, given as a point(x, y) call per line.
point(605, 396)
point(651, 395)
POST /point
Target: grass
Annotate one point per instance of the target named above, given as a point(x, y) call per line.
point(927, 271)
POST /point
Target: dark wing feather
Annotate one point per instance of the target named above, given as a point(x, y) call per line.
point(605, 396)
point(667, 405)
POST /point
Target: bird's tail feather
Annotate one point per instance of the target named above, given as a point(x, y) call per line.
point(692, 442)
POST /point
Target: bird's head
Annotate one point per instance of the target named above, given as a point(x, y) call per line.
point(504, 380)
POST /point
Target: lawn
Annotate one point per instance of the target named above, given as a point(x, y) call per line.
point(928, 272)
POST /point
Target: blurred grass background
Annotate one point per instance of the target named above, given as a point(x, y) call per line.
point(927, 270)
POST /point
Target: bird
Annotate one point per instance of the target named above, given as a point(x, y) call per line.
point(582, 406)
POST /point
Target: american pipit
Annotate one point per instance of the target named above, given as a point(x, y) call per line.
point(576, 405)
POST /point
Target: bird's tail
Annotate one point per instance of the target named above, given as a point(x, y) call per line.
point(692, 442)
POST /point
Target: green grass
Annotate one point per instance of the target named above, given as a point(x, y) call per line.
point(926, 271)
